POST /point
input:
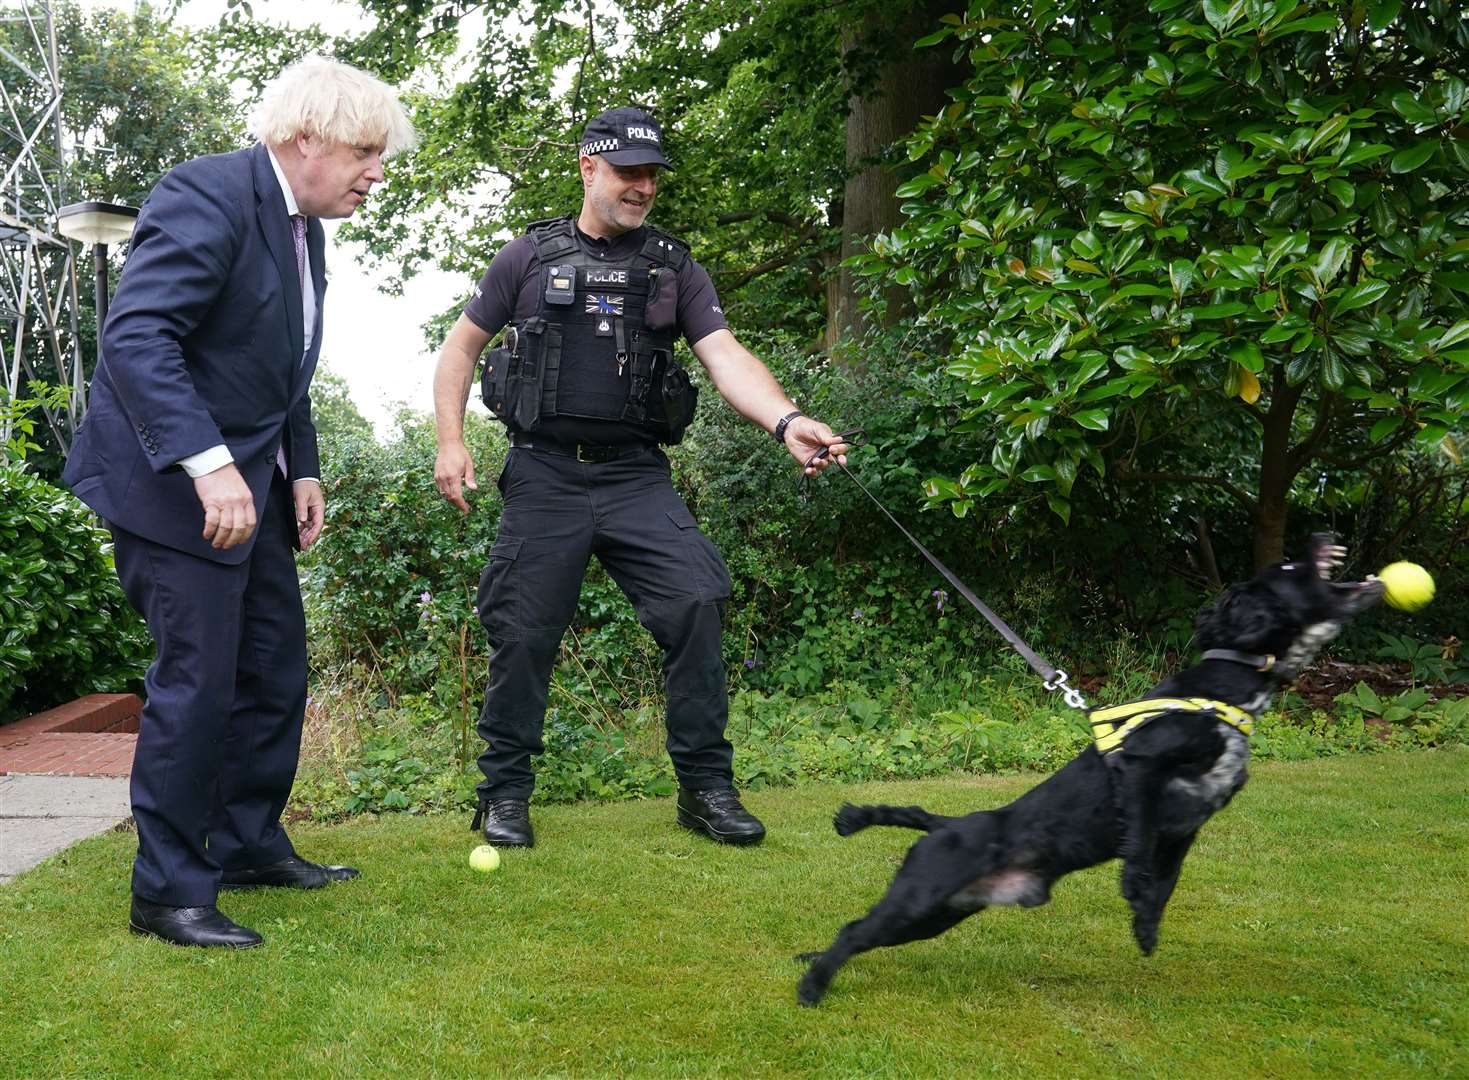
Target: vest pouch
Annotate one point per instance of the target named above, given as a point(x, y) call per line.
point(680, 399)
point(640, 374)
point(495, 381)
point(540, 350)
point(661, 308)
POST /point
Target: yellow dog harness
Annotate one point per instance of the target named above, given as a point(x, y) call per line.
point(1112, 725)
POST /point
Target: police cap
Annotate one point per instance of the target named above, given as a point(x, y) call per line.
point(625, 136)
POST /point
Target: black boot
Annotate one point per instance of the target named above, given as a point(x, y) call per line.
point(717, 814)
point(506, 822)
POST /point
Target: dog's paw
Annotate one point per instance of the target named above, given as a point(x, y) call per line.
point(807, 958)
point(848, 819)
point(810, 992)
point(1146, 933)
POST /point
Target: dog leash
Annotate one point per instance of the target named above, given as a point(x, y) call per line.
point(1052, 678)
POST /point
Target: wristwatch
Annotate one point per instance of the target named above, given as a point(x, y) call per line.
point(780, 425)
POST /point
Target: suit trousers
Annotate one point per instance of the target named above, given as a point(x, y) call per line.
point(221, 731)
point(558, 513)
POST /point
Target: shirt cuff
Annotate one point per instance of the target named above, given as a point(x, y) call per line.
point(216, 457)
point(298, 479)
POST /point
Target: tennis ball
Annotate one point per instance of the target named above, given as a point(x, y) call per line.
point(1409, 586)
point(484, 859)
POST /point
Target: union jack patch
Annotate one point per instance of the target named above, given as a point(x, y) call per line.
point(604, 304)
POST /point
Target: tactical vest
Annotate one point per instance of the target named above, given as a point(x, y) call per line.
point(600, 345)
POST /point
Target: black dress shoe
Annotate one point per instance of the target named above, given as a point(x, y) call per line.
point(505, 822)
point(292, 873)
point(717, 814)
point(205, 926)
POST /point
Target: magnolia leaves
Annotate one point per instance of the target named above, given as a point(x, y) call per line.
point(1118, 229)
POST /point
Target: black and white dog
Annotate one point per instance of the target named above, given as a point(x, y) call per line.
point(1144, 801)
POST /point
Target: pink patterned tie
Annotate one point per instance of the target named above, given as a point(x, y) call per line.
point(298, 233)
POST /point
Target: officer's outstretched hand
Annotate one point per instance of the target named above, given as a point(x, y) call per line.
point(452, 468)
point(804, 437)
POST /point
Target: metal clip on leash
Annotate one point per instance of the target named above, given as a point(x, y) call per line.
point(1052, 678)
point(1070, 693)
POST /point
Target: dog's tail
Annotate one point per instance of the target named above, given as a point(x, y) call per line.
point(850, 819)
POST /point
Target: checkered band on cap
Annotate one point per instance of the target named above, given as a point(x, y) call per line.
point(625, 137)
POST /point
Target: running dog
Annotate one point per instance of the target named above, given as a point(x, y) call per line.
point(1158, 770)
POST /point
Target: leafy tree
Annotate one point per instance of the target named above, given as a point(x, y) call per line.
point(1217, 247)
point(754, 99)
point(137, 101)
point(247, 52)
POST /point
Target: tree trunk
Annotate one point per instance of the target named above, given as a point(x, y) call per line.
point(1208, 564)
point(1277, 473)
point(907, 88)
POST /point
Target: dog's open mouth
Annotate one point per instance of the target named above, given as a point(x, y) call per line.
point(1326, 558)
point(1329, 558)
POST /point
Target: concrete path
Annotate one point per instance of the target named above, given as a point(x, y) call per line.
point(41, 815)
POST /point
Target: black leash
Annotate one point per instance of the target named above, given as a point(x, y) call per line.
point(1052, 678)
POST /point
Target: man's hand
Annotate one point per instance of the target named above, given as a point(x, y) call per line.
point(453, 467)
point(454, 470)
point(310, 510)
point(229, 508)
point(804, 437)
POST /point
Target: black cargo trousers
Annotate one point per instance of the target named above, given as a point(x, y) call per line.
point(558, 512)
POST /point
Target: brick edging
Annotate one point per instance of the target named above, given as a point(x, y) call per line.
point(94, 714)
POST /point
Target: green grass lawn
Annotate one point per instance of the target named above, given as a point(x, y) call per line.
point(1321, 929)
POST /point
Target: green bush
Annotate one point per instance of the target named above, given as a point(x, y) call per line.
point(390, 538)
point(65, 627)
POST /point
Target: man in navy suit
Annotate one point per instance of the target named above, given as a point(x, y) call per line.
point(199, 452)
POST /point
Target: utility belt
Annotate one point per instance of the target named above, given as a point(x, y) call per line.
point(1111, 726)
point(587, 453)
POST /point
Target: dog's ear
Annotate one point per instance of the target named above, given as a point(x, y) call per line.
point(1243, 618)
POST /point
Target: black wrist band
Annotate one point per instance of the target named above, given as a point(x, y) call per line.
point(780, 425)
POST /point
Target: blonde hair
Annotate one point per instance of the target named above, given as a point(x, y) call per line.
point(335, 102)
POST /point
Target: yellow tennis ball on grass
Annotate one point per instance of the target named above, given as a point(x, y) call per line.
point(484, 859)
point(1409, 586)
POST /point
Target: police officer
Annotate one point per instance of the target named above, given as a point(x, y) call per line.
point(585, 381)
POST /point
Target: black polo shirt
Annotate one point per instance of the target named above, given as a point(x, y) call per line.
point(510, 292)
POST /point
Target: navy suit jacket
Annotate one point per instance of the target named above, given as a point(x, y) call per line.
point(202, 346)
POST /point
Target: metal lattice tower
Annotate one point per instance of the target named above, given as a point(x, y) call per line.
point(38, 287)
